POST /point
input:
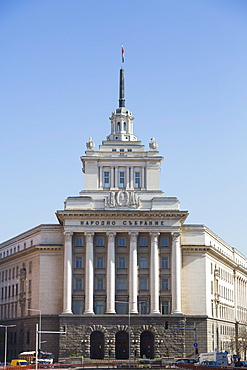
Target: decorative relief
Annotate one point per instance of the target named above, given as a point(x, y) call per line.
point(122, 198)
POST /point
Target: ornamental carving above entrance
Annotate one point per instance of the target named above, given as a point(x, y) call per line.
point(122, 198)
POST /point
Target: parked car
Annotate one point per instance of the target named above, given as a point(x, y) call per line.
point(186, 361)
point(210, 363)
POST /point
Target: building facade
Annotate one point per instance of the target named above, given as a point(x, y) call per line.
point(122, 272)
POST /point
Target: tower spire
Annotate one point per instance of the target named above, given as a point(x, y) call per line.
point(121, 89)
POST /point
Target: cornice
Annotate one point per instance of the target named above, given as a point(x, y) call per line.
point(66, 214)
point(211, 251)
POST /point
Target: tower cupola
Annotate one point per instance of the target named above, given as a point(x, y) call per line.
point(121, 119)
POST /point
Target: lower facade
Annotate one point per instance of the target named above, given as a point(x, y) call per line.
point(119, 336)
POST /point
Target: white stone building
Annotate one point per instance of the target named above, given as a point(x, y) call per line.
point(122, 265)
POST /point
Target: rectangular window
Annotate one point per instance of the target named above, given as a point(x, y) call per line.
point(164, 242)
point(121, 179)
point(121, 284)
point(137, 180)
point(29, 286)
point(212, 287)
point(78, 263)
point(78, 284)
point(78, 242)
point(16, 289)
point(165, 308)
point(99, 284)
point(164, 284)
point(122, 307)
point(30, 267)
point(164, 262)
point(122, 242)
point(143, 284)
point(100, 242)
point(106, 179)
point(77, 307)
point(121, 262)
point(143, 242)
point(28, 337)
point(13, 290)
point(99, 307)
point(143, 307)
point(143, 262)
point(100, 262)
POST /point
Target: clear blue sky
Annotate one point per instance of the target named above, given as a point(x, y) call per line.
point(186, 84)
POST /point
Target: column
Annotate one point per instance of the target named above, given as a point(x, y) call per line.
point(133, 288)
point(143, 178)
point(67, 281)
point(89, 275)
point(132, 177)
point(127, 178)
point(112, 178)
point(100, 177)
point(176, 274)
point(154, 275)
point(110, 277)
point(116, 177)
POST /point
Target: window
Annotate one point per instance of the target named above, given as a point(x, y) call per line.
point(143, 284)
point(165, 308)
point(121, 150)
point(143, 242)
point(13, 290)
point(129, 150)
point(122, 242)
point(106, 179)
point(30, 266)
point(78, 242)
point(118, 126)
point(114, 150)
point(121, 179)
point(77, 307)
point(100, 262)
point(16, 289)
point(78, 284)
point(25, 245)
point(100, 242)
point(78, 263)
point(121, 284)
point(164, 242)
point(137, 180)
point(164, 284)
point(124, 126)
point(122, 307)
point(143, 307)
point(99, 307)
point(31, 243)
point(164, 262)
point(99, 284)
point(29, 286)
point(143, 262)
point(28, 337)
point(121, 262)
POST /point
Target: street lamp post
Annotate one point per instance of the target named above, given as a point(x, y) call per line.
point(6, 340)
point(32, 309)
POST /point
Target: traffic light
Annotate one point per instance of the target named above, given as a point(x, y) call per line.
point(196, 350)
point(166, 325)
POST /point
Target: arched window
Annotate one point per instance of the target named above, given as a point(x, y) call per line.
point(118, 126)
